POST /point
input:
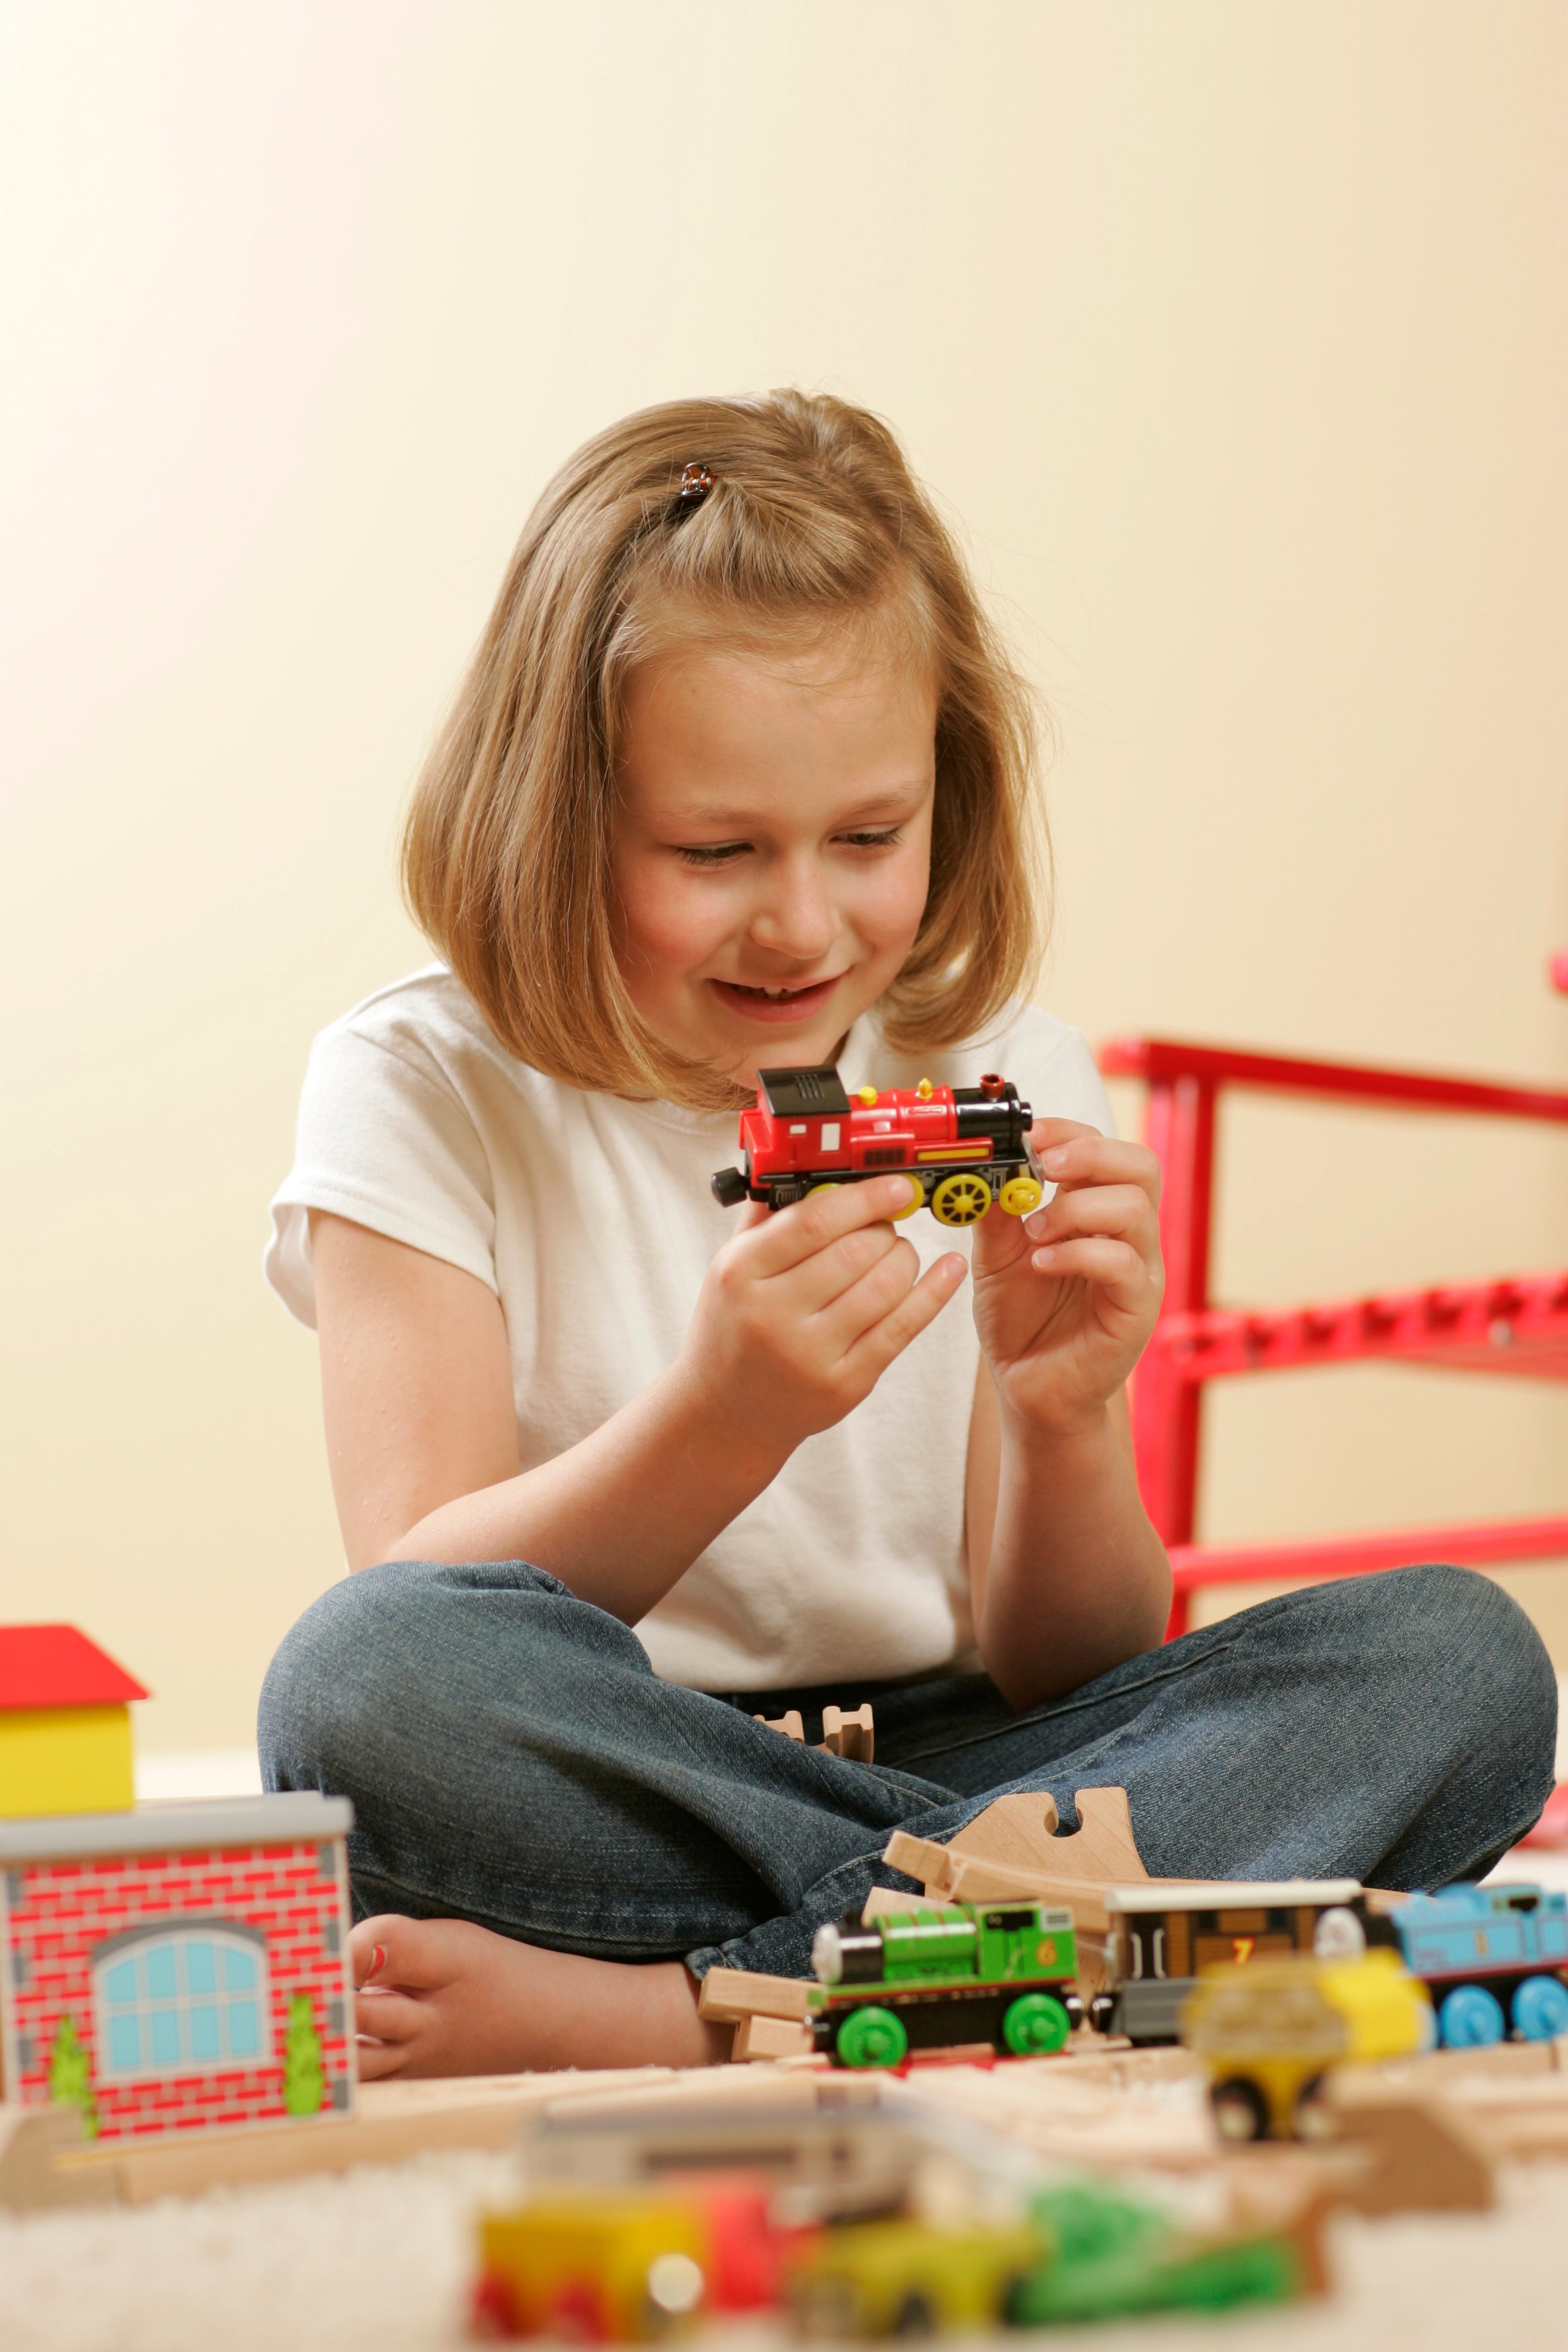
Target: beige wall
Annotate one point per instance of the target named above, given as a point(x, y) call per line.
point(1232, 333)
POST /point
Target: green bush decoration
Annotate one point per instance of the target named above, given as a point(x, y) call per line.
point(304, 2084)
point(70, 2075)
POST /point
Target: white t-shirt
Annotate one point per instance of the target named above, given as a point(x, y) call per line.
point(592, 1219)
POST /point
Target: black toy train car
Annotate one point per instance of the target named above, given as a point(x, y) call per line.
point(1164, 1935)
point(962, 1147)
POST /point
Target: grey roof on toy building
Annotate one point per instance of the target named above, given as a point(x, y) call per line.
point(292, 1817)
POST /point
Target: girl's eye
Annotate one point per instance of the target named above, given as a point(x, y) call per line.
point(725, 853)
point(721, 854)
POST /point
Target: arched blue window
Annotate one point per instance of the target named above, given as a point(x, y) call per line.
point(185, 2000)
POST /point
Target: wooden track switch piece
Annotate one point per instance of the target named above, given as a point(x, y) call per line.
point(771, 2037)
point(852, 1735)
point(791, 1725)
point(1013, 1851)
point(729, 1995)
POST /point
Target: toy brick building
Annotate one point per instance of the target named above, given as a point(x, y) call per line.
point(163, 1967)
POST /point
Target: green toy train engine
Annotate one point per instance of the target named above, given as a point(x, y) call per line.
point(930, 1979)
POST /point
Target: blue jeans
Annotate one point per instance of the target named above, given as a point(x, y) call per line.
point(513, 1759)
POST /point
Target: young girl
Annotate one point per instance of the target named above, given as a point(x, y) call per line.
point(740, 777)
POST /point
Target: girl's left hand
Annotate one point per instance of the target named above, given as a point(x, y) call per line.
point(1064, 1298)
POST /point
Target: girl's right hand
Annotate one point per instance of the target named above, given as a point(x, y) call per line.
point(803, 1311)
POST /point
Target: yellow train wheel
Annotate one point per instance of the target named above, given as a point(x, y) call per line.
point(1019, 1194)
point(960, 1200)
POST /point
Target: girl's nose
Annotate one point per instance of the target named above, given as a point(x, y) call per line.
point(797, 917)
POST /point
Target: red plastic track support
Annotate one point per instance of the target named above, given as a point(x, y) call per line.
point(1497, 1543)
point(1165, 1060)
point(1183, 1081)
point(1179, 1128)
point(1516, 1326)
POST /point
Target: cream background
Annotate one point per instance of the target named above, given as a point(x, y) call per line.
point(1234, 334)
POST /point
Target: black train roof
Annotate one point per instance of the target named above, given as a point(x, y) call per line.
point(797, 1094)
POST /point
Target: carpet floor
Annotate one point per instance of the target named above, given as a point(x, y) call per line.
point(377, 2261)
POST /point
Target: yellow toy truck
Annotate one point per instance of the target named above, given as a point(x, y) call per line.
point(1269, 2032)
point(605, 2268)
point(900, 2277)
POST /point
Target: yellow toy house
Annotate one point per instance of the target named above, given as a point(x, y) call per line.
point(64, 1724)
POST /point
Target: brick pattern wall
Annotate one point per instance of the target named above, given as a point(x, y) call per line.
point(57, 1914)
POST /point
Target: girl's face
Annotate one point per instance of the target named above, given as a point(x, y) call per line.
point(772, 847)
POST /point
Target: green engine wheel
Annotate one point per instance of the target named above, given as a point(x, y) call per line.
point(872, 2037)
point(1035, 2025)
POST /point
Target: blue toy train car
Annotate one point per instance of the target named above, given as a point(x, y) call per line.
point(1493, 1958)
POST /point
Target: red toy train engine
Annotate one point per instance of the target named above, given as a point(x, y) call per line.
point(964, 1147)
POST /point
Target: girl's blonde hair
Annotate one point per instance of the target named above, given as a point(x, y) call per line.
point(814, 521)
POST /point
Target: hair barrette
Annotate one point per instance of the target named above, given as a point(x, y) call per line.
point(696, 481)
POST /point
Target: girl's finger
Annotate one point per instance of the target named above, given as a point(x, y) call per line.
point(874, 1292)
point(1085, 1157)
point(1111, 1266)
point(799, 1232)
point(1119, 1209)
point(874, 1349)
point(1047, 1132)
point(812, 1285)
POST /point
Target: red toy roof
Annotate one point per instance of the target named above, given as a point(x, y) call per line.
point(56, 1665)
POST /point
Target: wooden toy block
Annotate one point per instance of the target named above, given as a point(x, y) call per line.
point(1063, 2114)
point(392, 2122)
point(791, 1725)
point(64, 1724)
point(30, 2140)
point(1444, 2067)
point(1425, 2157)
point(1122, 2065)
point(729, 1995)
point(771, 2037)
point(853, 1736)
point(179, 1968)
point(1515, 2116)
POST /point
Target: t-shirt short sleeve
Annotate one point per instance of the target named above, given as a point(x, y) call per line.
point(1052, 1067)
point(385, 1140)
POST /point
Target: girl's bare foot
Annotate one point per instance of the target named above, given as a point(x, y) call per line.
point(444, 1997)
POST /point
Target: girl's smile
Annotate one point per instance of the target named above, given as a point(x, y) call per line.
point(771, 846)
point(774, 1004)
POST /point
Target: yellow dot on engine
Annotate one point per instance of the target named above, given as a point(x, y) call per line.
point(924, 1090)
point(866, 1095)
